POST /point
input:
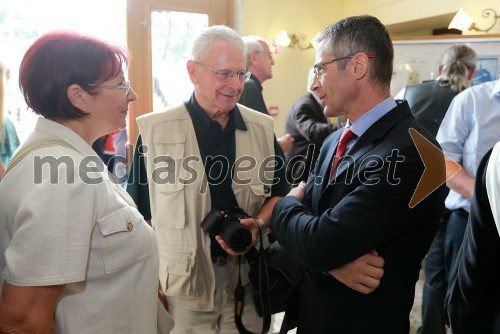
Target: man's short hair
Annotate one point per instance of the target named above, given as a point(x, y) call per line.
point(253, 43)
point(203, 42)
point(364, 34)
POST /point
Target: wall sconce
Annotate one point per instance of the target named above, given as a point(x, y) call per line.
point(462, 21)
point(293, 41)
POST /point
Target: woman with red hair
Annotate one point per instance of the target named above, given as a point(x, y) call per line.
point(75, 254)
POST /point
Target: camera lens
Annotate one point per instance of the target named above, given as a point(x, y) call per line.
point(237, 237)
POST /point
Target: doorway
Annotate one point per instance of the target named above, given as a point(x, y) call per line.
point(159, 37)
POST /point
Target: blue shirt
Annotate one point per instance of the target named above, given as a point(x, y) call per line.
point(369, 118)
point(469, 130)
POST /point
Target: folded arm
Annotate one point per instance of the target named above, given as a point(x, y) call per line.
point(363, 274)
point(461, 182)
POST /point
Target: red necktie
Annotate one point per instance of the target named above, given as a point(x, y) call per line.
point(346, 137)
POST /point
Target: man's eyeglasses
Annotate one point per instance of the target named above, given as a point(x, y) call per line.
point(225, 76)
point(125, 85)
point(319, 67)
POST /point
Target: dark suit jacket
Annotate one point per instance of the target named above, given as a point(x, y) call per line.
point(473, 297)
point(307, 124)
point(365, 207)
point(252, 95)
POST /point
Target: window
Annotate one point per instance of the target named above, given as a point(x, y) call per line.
point(22, 22)
point(145, 22)
point(171, 36)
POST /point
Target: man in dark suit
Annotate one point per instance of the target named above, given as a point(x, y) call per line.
point(365, 207)
point(473, 296)
point(309, 127)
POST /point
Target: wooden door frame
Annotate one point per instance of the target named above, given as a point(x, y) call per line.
point(139, 45)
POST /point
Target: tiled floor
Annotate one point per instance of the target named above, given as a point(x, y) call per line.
point(415, 313)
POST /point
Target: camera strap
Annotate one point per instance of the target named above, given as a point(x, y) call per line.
point(239, 293)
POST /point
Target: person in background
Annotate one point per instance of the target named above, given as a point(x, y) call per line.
point(198, 270)
point(473, 296)
point(430, 100)
point(105, 147)
point(429, 103)
point(72, 244)
point(8, 135)
point(308, 125)
point(260, 63)
point(121, 161)
point(469, 129)
point(360, 206)
point(259, 60)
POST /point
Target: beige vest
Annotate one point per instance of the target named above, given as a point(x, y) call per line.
point(180, 197)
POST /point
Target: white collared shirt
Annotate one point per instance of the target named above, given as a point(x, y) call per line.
point(66, 225)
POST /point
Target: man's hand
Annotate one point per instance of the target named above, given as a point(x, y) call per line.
point(286, 142)
point(363, 274)
point(252, 225)
point(460, 181)
point(161, 297)
point(299, 191)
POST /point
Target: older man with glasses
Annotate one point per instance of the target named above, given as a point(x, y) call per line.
point(207, 154)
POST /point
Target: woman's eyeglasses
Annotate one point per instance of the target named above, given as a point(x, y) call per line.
point(125, 85)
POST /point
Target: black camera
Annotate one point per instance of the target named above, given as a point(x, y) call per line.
point(226, 223)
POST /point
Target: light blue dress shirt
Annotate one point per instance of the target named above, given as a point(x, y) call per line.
point(366, 120)
point(469, 130)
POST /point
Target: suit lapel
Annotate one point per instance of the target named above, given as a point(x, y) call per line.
point(326, 168)
point(355, 153)
point(368, 140)
point(325, 165)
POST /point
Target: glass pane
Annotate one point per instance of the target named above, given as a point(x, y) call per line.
point(22, 22)
point(172, 35)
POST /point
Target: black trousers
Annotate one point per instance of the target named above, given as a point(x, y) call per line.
point(439, 263)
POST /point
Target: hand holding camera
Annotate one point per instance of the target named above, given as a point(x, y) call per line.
point(233, 229)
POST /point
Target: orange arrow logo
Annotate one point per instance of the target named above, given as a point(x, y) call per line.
point(438, 167)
